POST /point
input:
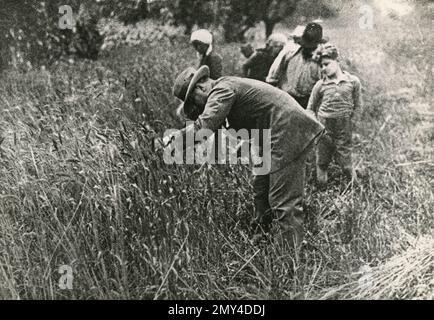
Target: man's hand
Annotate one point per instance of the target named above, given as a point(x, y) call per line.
point(161, 143)
point(168, 140)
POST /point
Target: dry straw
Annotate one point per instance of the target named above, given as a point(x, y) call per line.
point(409, 275)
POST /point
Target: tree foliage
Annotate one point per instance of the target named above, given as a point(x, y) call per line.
point(240, 15)
point(237, 16)
point(27, 31)
point(191, 12)
point(127, 11)
point(31, 34)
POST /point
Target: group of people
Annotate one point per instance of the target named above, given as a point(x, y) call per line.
point(295, 87)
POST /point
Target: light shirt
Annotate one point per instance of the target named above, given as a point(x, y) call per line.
point(294, 74)
point(336, 98)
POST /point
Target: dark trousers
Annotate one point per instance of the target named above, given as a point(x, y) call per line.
point(279, 199)
point(336, 142)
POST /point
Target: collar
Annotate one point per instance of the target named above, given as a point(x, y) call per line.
point(345, 77)
point(213, 84)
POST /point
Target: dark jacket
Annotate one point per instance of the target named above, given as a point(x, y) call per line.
point(214, 63)
point(258, 65)
point(251, 104)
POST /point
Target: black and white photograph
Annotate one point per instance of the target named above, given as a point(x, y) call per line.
point(216, 150)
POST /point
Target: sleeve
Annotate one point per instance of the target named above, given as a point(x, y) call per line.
point(357, 94)
point(216, 67)
point(279, 64)
point(217, 108)
point(276, 69)
point(315, 98)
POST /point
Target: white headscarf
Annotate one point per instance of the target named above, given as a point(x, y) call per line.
point(203, 36)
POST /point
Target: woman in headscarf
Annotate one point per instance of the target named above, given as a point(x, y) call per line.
point(202, 41)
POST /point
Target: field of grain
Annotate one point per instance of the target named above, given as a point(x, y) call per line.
point(81, 184)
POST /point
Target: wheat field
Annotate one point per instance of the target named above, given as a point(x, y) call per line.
point(82, 185)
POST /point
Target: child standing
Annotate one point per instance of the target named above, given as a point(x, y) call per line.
point(333, 100)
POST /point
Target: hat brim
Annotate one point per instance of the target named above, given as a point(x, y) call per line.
point(202, 72)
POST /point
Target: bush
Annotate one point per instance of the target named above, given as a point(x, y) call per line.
point(32, 36)
point(128, 12)
point(316, 9)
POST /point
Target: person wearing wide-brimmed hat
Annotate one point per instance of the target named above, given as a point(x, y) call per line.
point(202, 41)
point(251, 104)
point(294, 70)
point(258, 65)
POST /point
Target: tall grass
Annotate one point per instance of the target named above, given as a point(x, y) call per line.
point(81, 185)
